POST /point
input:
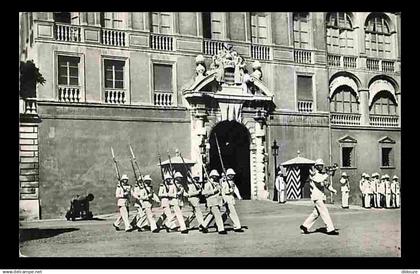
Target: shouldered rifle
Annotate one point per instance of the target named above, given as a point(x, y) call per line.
point(161, 173)
point(189, 173)
point(134, 164)
point(117, 170)
point(220, 155)
point(171, 172)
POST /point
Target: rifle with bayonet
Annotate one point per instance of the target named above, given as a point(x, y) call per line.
point(189, 173)
point(117, 170)
point(172, 173)
point(161, 173)
point(134, 164)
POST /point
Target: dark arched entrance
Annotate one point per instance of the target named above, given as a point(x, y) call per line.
point(234, 142)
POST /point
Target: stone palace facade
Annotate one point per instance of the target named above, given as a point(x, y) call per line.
point(322, 85)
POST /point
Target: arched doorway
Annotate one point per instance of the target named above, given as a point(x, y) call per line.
point(234, 142)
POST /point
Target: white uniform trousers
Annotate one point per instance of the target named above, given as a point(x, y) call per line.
point(281, 196)
point(319, 210)
point(233, 215)
point(345, 199)
point(197, 214)
point(147, 218)
point(375, 200)
point(167, 218)
point(367, 200)
point(396, 200)
point(388, 200)
point(123, 216)
point(214, 214)
point(138, 218)
point(179, 217)
point(378, 200)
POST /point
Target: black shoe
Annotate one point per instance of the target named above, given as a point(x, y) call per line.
point(333, 232)
point(238, 230)
point(222, 232)
point(141, 229)
point(304, 229)
point(155, 230)
point(184, 231)
point(116, 227)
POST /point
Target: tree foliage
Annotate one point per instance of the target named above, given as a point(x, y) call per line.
point(29, 78)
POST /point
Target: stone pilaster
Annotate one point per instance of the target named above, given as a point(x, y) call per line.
point(364, 106)
point(198, 136)
point(260, 166)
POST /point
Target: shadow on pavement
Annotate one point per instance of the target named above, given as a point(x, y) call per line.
point(27, 234)
point(321, 230)
point(91, 219)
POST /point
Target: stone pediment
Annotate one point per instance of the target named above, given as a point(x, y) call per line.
point(386, 140)
point(347, 139)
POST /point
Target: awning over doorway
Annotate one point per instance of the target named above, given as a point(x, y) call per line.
point(298, 161)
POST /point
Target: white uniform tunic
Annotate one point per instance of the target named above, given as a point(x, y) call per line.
point(122, 194)
point(211, 191)
point(281, 189)
point(345, 190)
point(228, 188)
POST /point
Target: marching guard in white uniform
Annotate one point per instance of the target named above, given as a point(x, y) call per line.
point(193, 194)
point(395, 188)
point(345, 190)
point(368, 191)
point(175, 194)
point(138, 218)
point(122, 193)
point(146, 197)
point(166, 219)
point(318, 183)
point(228, 189)
point(211, 191)
point(280, 185)
point(362, 188)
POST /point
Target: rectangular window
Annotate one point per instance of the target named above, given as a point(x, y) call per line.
point(304, 88)
point(68, 70)
point(162, 22)
point(387, 157)
point(347, 154)
point(112, 20)
point(206, 17)
point(259, 30)
point(162, 78)
point(301, 30)
point(216, 25)
point(114, 74)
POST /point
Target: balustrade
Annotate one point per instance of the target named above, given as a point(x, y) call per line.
point(162, 98)
point(70, 94)
point(383, 120)
point(349, 61)
point(115, 96)
point(372, 64)
point(334, 60)
point(67, 33)
point(305, 106)
point(388, 66)
point(303, 56)
point(161, 42)
point(345, 119)
point(212, 47)
point(112, 37)
point(260, 52)
point(28, 106)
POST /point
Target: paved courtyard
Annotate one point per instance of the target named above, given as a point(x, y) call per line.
point(271, 229)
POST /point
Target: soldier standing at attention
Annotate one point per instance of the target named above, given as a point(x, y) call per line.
point(395, 187)
point(175, 200)
point(387, 191)
point(166, 218)
point(281, 187)
point(211, 191)
point(228, 189)
point(381, 191)
point(122, 193)
point(146, 197)
point(345, 189)
point(368, 191)
point(193, 195)
point(362, 188)
point(374, 186)
point(318, 183)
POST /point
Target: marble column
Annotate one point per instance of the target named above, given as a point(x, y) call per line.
point(364, 106)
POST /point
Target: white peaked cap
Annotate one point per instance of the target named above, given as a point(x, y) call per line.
point(214, 173)
point(124, 177)
point(230, 172)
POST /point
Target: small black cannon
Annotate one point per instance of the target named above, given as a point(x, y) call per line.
point(79, 208)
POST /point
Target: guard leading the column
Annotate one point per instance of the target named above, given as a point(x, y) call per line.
point(228, 189)
point(146, 197)
point(122, 193)
point(211, 191)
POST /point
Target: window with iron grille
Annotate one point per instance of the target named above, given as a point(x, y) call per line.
point(114, 74)
point(259, 28)
point(301, 28)
point(340, 34)
point(378, 36)
point(347, 156)
point(387, 157)
point(68, 70)
point(344, 101)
